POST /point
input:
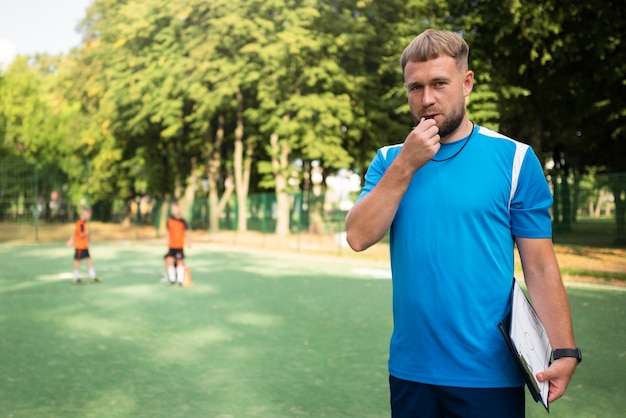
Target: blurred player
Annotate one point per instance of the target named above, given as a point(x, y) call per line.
point(177, 234)
point(81, 247)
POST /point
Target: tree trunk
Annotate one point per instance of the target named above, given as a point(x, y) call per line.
point(535, 138)
point(280, 167)
point(598, 207)
point(242, 166)
point(556, 204)
point(214, 164)
point(566, 222)
point(186, 201)
point(282, 208)
point(576, 199)
point(163, 212)
point(618, 187)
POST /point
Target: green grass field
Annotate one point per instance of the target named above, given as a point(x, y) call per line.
point(259, 334)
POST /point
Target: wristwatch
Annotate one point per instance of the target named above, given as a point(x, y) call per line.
point(568, 352)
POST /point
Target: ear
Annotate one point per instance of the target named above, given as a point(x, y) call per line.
point(468, 83)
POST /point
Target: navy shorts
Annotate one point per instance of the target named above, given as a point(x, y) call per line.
point(175, 253)
point(419, 400)
point(80, 254)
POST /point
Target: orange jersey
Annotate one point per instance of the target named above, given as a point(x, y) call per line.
point(176, 228)
point(80, 235)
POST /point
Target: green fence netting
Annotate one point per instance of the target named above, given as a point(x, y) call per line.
point(588, 209)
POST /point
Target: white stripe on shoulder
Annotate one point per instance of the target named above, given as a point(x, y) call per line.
point(518, 158)
point(488, 132)
point(385, 149)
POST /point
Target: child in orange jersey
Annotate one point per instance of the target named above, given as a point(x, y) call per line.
point(81, 247)
point(177, 234)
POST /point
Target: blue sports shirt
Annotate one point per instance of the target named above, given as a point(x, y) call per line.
point(452, 258)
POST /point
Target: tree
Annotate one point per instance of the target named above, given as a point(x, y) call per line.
point(146, 79)
point(561, 88)
point(302, 95)
point(41, 125)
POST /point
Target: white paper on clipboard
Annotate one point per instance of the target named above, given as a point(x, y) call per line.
point(530, 340)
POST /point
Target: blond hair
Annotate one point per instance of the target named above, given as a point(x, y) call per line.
point(432, 44)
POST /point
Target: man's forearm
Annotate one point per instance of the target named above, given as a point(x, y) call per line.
point(370, 219)
point(543, 279)
point(552, 305)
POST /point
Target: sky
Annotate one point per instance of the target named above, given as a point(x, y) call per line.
point(28, 27)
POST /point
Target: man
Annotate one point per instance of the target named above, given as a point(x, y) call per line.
point(176, 236)
point(80, 239)
point(454, 212)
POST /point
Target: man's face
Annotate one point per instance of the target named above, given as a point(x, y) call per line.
point(437, 89)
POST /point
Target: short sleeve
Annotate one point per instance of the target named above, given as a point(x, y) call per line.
point(530, 206)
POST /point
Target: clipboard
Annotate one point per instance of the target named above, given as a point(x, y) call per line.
point(528, 342)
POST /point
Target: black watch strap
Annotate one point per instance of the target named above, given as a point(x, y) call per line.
point(567, 352)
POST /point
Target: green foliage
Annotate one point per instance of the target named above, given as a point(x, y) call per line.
point(34, 117)
point(136, 108)
point(561, 86)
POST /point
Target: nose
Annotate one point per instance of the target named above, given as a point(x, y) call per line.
point(428, 96)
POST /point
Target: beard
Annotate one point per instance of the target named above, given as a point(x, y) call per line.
point(452, 122)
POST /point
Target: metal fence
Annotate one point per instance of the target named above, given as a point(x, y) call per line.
point(588, 209)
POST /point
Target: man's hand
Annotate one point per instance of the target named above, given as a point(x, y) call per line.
point(559, 374)
point(421, 145)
